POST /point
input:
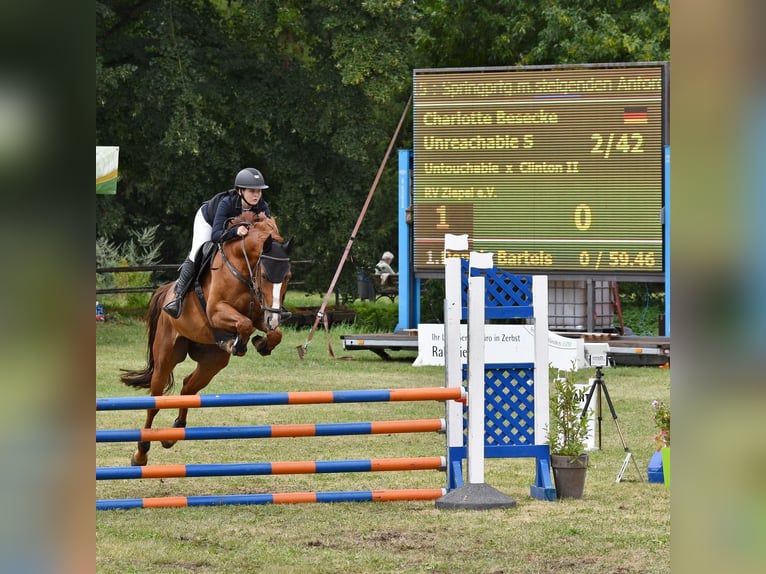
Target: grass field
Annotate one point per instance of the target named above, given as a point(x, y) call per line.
point(617, 527)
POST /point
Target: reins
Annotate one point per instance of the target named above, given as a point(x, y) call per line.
point(250, 283)
point(254, 282)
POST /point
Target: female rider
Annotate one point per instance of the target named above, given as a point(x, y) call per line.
point(209, 223)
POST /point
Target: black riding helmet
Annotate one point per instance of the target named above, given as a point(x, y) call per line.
point(250, 178)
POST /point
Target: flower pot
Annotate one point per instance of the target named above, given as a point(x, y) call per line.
point(569, 474)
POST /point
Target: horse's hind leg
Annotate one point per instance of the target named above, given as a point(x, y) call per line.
point(210, 360)
point(141, 456)
point(166, 358)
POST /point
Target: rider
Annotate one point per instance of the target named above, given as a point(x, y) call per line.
point(209, 223)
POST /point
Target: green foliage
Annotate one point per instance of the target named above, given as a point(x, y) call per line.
point(375, 317)
point(642, 304)
point(432, 301)
point(142, 248)
point(491, 33)
point(567, 430)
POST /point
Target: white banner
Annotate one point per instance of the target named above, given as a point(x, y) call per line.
point(503, 344)
point(107, 159)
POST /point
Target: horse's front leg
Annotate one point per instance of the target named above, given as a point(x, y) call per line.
point(226, 318)
point(264, 345)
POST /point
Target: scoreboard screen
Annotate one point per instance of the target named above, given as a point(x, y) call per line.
point(556, 170)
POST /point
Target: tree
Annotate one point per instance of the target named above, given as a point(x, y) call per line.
point(310, 92)
point(193, 93)
point(466, 33)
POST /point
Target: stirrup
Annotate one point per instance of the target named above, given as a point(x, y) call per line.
point(174, 308)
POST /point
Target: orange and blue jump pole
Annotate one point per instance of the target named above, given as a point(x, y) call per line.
point(283, 498)
point(271, 468)
point(286, 398)
point(272, 431)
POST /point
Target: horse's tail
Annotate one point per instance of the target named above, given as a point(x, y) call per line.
point(142, 378)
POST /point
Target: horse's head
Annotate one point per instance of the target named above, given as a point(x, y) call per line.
point(271, 270)
point(275, 274)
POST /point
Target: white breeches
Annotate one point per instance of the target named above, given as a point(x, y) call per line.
point(203, 231)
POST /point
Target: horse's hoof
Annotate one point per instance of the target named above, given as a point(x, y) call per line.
point(263, 350)
point(136, 461)
point(168, 443)
point(239, 348)
point(261, 345)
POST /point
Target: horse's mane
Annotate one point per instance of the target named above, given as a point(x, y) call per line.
point(259, 222)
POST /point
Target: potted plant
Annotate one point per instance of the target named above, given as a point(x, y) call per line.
point(662, 438)
point(567, 433)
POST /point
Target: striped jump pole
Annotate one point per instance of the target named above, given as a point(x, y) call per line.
point(281, 498)
point(272, 431)
point(271, 468)
point(285, 398)
point(276, 431)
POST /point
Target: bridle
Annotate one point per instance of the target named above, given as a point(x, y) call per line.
point(253, 282)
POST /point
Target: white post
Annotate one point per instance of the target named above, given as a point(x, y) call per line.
point(541, 382)
point(452, 316)
point(475, 494)
point(476, 295)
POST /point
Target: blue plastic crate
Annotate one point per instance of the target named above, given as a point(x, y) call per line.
point(654, 470)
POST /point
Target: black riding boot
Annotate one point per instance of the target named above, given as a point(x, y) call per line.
point(182, 285)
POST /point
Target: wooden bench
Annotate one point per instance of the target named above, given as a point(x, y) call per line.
point(370, 288)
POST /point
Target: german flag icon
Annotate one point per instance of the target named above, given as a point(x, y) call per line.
point(635, 115)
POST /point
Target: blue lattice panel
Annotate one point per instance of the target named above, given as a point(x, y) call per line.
point(509, 406)
point(506, 295)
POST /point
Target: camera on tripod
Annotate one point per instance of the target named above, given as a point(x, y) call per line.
point(596, 354)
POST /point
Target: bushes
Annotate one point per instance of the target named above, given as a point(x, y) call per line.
point(376, 317)
point(642, 304)
point(141, 249)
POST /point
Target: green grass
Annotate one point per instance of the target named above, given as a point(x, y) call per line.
point(621, 527)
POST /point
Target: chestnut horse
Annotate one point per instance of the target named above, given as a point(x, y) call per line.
point(241, 292)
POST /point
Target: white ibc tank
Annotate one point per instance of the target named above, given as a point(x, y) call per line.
point(568, 305)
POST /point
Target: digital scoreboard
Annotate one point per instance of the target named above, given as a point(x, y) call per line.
point(556, 170)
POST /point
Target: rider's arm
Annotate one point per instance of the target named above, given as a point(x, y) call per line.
point(222, 214)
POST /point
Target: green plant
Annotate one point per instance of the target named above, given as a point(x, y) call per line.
point(376, 317)
point(641, 305)
point(567, 429)
point(662, 422)
point(141, 249)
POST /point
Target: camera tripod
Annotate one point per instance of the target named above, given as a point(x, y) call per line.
point(598, 383)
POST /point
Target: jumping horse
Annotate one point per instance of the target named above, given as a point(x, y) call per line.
point(239, 291)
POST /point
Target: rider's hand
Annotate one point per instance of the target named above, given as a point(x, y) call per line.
point(241, 231)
